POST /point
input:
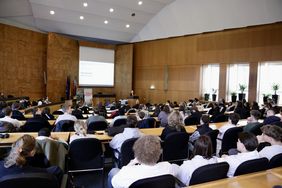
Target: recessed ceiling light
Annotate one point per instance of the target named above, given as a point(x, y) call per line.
point(52, 12)
point(106, 22)
point(140, 2)
point(127, 25)
point(81, 17)
point(85, 4)
point(111, 10)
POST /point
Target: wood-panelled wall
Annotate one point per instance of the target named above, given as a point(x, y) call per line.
point(62, 61)
point(184, 56)
point(22, 62)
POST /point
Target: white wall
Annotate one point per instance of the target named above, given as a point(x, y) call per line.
point(184, 17)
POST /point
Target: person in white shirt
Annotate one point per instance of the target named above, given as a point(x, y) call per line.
point(202, 153)
point(67, 114)
point(273, 135)
point(8, 114)
point(45, 133)
point(129, 132)
point(246, 145)
point(80, 129)
point(232, 122)
point(147, 151)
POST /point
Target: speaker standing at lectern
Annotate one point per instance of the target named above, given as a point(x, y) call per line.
point(132, 93)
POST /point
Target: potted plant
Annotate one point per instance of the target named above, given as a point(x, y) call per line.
point(207, 96)
point(275, 88)
point(265, 97)
point(242, 88)
point(233, 96)
point(214, 94)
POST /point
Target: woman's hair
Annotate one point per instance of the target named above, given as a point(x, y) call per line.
point(147, 149)
point(272, 131)
point(20, 150)
point(175, 119)
point(249, 140)
point(80, 128)
point(203, 147)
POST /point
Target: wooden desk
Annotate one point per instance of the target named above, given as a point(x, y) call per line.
point(100, 135)
point(15, 136)
point(264, 179)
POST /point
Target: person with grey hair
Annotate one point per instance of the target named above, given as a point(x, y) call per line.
point(175, 124)
point(80, 129)
point(147, 151)
point(67, 114)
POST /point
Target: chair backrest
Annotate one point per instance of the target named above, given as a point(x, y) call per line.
point(209, 172)
point(6, 127)
point(251, 166)
point(151, 122)
point(275, 161)
point(146, 123)
point(220, 118)
point(65, 126)
point(85, 154)
point(191, 120)
point(58, 112)
point(30, 180)
point(97, 126)
point(126, 152)
point(175, 146)
point(213, 136)
point(230, 139)
point(30, 126)
point(164, 181)
point(119, 122)
point(256, 129)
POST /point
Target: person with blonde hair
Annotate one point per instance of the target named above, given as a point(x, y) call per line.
point(147, 151)
point(17, 160)
point(175, 124)
point(80, 129)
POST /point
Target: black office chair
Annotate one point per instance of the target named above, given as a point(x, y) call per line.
point(33, 127)
point(86, 162)
point(230, 139)
point(213, 136)
point(151, 122)
point(119, 122)
point(275, 161)
point(97, 126)
point(175, 147)
point(219, 118)
point(30, 180)
point(164, 181)
point(126, 152)
point(209, 172)
point(191, 120)
point(251, 166)
point(58, 112)
point(64, 126)
point(6, 127)
point(146, 123)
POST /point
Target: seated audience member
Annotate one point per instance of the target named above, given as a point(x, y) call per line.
point(246, 145)
point(121, 115)
point(95, 117)
point(8, 114)
point(202, 155)
point(239, 109)
point(232, 122)
point(3, 105)
point(222, 107)
point(45, 133)
point(77, 112)
point(255, 106)
point(273, 135)
point(17, 160)
point(131, 121)
point(163, 115)
point(67, 114)
point(142, 117)
point(38, 119)
point(46, 114)
point(147, 151)
point(270, 117)
point(252, 120)
point(202, 128)
point(16, 114)
point(80, 129)
point(129, 132)
point(157, 111)
point(175, 124)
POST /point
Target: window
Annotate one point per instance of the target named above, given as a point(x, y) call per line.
point(237, 74)
point(210, 79)
point(269, 73)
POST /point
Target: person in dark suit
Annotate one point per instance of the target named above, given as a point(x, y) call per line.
point(38, 120)
point(17, 160)
point(270, 117)
point(46, 114)
point(77, 112)
point(16, 114)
